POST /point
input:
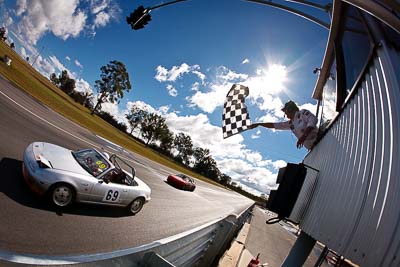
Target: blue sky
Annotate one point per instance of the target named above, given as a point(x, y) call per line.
point(182, 65)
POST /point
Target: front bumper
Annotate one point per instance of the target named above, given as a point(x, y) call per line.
point(30, 171)
point(31, 182)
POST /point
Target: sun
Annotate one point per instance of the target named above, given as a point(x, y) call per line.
point(275, 76)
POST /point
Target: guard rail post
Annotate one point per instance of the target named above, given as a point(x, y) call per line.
point(223, 238)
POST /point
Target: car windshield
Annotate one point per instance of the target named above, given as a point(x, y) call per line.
point(92, 161)
point(123, 165)
point(184, 177)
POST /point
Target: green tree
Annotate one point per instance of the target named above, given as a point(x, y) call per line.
point(83, 98)
point(199, 155)
point(207, 166)
point(152, 126)
point(3, 33)
point(166, 138)
point(113, 121)
point(183, 143)
point(114, 81)
point(54, 79)
point(135, 116)
point(225, 179)
point(64, 82)
point(210, 169)
point(88, 99)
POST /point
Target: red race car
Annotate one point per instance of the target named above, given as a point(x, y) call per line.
point(181, 181)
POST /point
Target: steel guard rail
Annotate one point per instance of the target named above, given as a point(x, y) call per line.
point(202, 246)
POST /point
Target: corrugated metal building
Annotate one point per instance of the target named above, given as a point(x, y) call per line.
point(352, 203)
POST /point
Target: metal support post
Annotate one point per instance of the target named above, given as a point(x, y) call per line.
point(322, 257)
point(300, 251)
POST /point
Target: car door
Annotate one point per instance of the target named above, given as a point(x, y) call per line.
point(110, 193)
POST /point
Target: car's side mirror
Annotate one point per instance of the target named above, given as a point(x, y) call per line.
point(106, 180)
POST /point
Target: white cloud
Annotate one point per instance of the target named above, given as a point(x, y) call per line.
point(44, 66)
point(78, 64)
point(68, 58)
point(262, 93)
point(269, 118)
point(245, 61)
point(253, 156)
point(172, 90)
point(141, 105)
point(199, 74)
point(246, 173)
point(29, 47)
point(114, 110)
point(83, 86)
point(6, 19)
point(102, 18)
point(161, 74)
point(176, 71)
point(256, 135)
point(57, 64)
point(210, 100)
point(164, 75)
point(215, 96)
point(205, 135)
point(195, 86)
point(226, 75)
point(310, 107)
point(61, 17)
point(21, 7)
point(97, 6)
point(23, 52)
point(163, 109)
point(104, 11)
point(279, 164)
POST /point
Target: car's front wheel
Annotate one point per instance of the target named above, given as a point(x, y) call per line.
point(62, 195)
point(136, 205)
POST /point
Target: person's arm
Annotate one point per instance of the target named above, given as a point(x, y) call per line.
point(284, 125)
point(264, 124)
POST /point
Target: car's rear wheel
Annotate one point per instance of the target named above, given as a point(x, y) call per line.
point(136, 205)
point(62, 195)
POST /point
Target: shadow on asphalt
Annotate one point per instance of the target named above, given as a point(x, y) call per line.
point(12, 184)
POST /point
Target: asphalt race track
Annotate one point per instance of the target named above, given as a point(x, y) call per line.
point(29, 225)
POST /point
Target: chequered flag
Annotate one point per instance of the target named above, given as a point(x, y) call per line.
point(235, 118)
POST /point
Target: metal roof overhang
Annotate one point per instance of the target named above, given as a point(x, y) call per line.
point(368, 6)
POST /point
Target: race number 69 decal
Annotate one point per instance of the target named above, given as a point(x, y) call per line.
point(111, 196)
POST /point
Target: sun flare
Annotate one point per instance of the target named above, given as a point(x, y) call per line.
point(276, 76)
